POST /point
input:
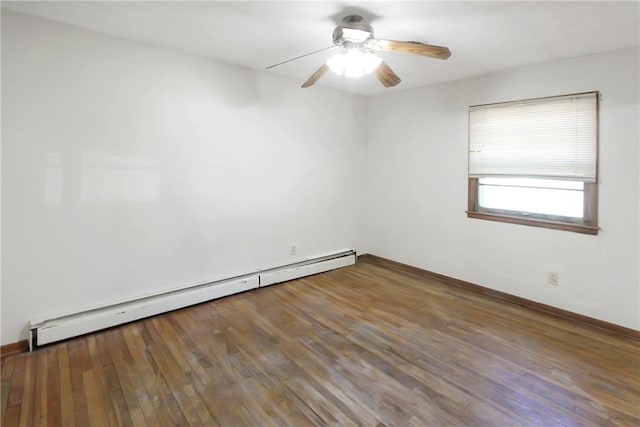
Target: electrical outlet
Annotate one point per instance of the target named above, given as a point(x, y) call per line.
point(553, 278)
point(293, 250)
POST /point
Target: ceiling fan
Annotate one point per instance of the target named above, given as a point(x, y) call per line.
point(357, 45)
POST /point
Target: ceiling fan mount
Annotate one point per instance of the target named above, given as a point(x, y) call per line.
point(357, 57)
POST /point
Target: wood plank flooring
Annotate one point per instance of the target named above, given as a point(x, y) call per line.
point(363, 345)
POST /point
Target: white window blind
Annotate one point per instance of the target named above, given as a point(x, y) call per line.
point(552, 138)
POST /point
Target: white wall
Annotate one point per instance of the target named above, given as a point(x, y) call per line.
point(129, 170)
point(417, 152)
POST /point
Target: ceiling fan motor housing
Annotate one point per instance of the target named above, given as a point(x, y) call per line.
point(353, 30)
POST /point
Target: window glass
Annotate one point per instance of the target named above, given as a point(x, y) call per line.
point(529, 195)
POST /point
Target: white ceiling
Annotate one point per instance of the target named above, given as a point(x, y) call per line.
point(483, 36)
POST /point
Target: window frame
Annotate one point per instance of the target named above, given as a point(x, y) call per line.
point(587, 225)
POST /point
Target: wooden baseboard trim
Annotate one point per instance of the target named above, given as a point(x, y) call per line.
point(591, 322)
point(13, 349)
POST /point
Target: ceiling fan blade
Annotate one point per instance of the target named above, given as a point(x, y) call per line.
point(302, 56)
point(316, 76)
point(386, 75)
point(413, 48)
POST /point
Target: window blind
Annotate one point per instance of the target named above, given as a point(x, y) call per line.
point(553, 138)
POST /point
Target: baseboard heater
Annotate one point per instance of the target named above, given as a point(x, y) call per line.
point(46, 331)
point(307, 268)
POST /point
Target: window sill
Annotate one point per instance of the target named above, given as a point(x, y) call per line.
point(555, 225)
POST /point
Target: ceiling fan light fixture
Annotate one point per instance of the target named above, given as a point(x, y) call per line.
point(337, 63)
point(370, 62)
point(354, 63)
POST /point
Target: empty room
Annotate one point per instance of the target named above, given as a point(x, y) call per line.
point(235, 213)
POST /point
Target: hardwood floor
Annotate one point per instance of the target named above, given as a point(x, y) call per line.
point(362, 345)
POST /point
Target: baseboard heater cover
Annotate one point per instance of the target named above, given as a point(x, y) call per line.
point(60, 328)
point(306, 269)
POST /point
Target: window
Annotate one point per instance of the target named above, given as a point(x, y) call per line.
point(534, 162)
